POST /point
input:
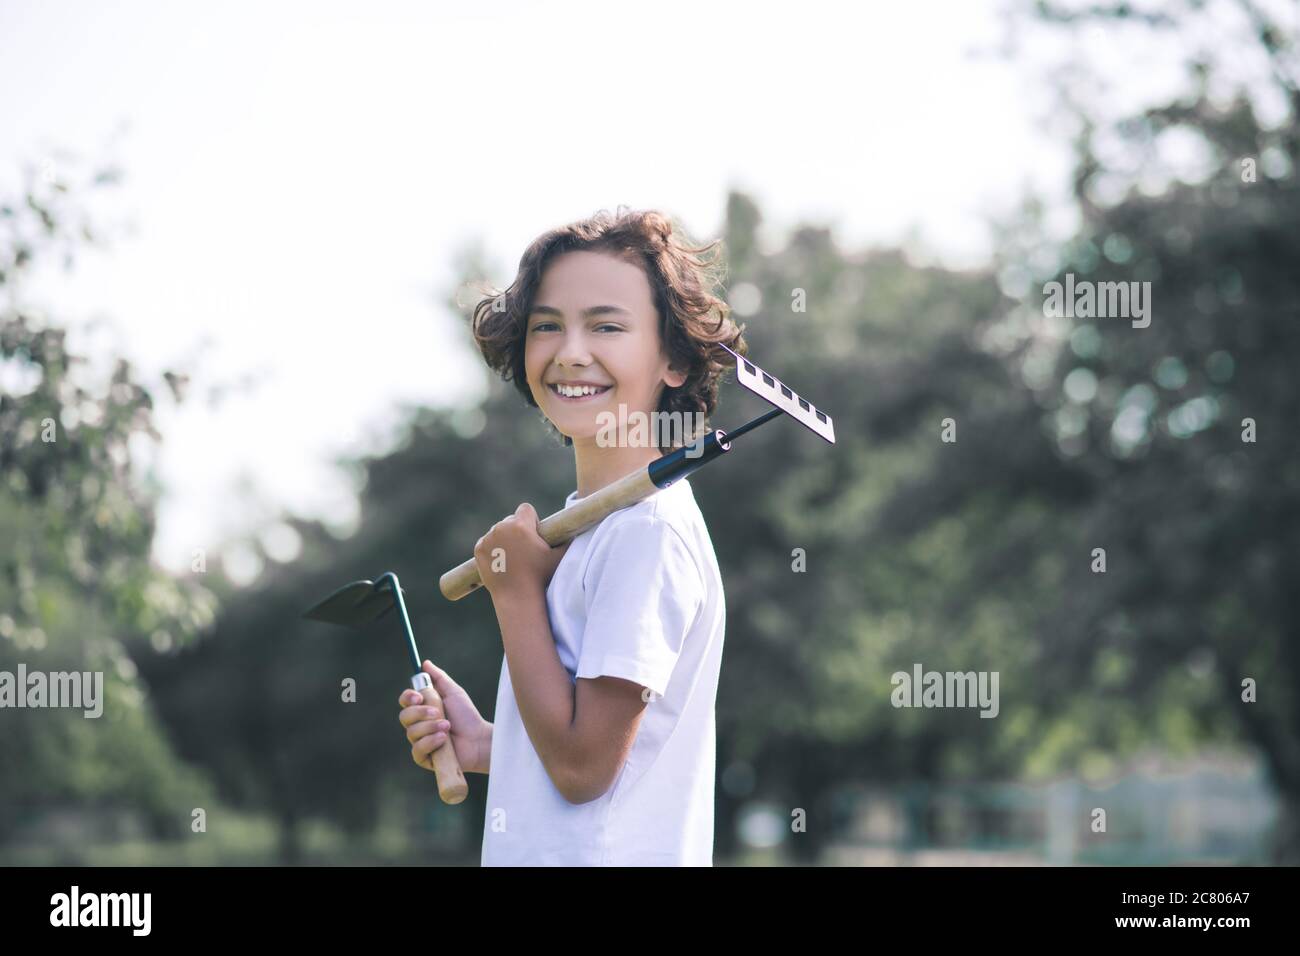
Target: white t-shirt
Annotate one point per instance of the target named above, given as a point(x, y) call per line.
point(638, 596)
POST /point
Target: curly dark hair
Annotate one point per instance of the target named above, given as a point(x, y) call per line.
point(692, 320)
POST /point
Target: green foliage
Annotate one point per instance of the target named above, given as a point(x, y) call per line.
point(77, 591)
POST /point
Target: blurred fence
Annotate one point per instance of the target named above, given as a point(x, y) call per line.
point(1158, 812)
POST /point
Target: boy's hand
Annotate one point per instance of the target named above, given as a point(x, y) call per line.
point(471, 735)
point(525, 563)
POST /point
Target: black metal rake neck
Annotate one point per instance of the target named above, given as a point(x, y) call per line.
point(683, 461)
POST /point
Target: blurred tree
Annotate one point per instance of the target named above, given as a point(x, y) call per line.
point(1133, 440)
point(1184, 431)
point(77, 590)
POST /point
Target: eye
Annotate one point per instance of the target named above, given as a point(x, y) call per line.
point(542, 325)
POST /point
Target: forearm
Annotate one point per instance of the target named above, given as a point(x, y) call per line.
point(544, 692)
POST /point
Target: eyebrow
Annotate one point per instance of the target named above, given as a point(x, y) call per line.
point(586, 313)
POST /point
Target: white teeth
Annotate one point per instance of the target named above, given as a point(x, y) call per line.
point(571, 392)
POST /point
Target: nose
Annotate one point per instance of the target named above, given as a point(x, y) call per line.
point(573, 350)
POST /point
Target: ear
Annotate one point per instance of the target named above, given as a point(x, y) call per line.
point(675, 379)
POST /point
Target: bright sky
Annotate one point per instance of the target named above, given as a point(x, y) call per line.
point(301, 177)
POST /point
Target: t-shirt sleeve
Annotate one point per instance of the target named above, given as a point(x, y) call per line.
point(643, 594)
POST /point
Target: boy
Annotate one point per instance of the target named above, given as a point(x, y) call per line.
point(603, 748)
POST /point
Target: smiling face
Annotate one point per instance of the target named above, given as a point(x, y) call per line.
point(594, 321)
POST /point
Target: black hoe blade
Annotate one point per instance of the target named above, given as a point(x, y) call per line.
point(354, 605)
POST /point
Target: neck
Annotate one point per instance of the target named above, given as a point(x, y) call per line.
point(598, 467)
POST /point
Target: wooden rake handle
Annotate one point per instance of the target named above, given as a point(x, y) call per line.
point(564, 525)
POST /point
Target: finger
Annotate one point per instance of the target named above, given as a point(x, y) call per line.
point(532, 520)
point(427, 745)
point(426, 727)
point(412, 715)
point(441, 679)
point(422, 760)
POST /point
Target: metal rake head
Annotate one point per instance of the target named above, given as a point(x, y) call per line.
point(772, 390)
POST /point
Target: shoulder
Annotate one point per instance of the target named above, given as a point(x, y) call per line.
point(641, 528)
point(659, 523)
point(643, 550)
